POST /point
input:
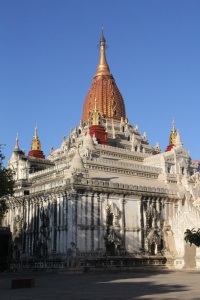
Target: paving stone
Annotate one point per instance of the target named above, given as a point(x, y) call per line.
point(165, 285)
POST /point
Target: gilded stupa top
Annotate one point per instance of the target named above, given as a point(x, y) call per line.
point(172, 138)
point(109, 100)
point(36, 147)
point(173, 135)
point(36, 142)
point(103, 68)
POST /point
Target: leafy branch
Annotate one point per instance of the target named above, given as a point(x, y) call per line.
point(193, 236)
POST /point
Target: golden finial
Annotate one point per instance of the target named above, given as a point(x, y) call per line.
point(95, 114)
point(173, 135)
point(36, 142)
point(36, 133)
point(103, 68)
point(173, 123)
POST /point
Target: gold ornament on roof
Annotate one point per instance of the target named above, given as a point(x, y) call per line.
point(104, 89)
point(36, 142)
point(96, 118)
point(173, 135)
point(103, 68)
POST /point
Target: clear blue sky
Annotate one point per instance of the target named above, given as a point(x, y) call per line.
point(49, 55)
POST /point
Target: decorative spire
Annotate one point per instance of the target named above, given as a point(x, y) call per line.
point(113, 130)
point(178, 142)
point(36, 142)
point(76, 162)
point(88, 141)
point(36, 146)
point(36, 133)
point(104, 89)
point(172, 138)
point(17, 143)
point(103, 68)
point(133, 142)
point(96, 118)
point(173, 123)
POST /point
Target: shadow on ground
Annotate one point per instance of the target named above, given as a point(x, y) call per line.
point(133, 285)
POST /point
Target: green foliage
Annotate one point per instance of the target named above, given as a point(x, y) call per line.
point(6, 183)
point(193, 236)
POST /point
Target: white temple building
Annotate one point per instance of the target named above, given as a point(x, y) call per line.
point(105, 191)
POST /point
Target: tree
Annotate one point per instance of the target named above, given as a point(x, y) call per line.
point(6, 184)
point(193, 237)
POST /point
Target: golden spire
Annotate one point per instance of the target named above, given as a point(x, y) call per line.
point(36, 135)
point(36, 142)
point(173, 135)
point(103, 68)
point(104, 89)
point(95, 114)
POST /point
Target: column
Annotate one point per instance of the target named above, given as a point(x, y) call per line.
point(58, 223)
point(38, 222)
point(99, 221)
point(69, 219)
point(91, 218)
point(55, 224)
point(123, 201)
point(143, 224)
point(64, 224)
point(79, 222)
point(86, 222)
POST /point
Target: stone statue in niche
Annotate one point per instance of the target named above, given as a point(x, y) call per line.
point(112, 209)
point(42, 245)
point(153, 240)
point(113, 237)
point(44, 228)
point(17, 226)
point(169, 242)
point(15, 251)
point(153, 236)
point(152, 216)
point(71, 255)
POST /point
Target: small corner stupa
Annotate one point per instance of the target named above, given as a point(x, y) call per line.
point(36, 147)
point(96, 129)
point(172, 138)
